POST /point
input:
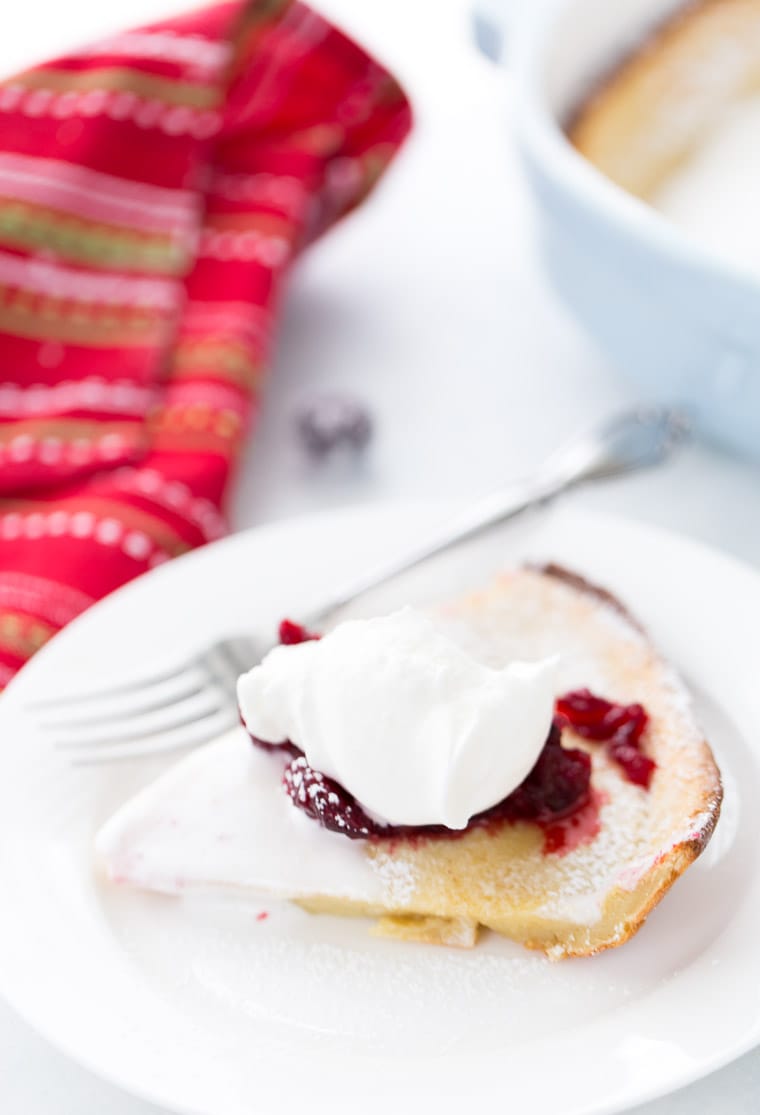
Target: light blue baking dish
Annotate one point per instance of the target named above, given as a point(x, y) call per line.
point(680, 322)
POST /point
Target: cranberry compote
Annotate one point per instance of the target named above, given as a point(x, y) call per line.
point(558, 784)
point(620, 727)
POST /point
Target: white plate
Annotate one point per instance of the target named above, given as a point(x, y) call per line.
point(204, 1008)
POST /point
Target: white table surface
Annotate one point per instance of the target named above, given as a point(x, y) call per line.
point(430, 306)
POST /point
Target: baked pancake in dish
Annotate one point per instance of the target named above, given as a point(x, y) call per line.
point(652, 112)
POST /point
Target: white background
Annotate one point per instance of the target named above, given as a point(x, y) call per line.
point(430, 306)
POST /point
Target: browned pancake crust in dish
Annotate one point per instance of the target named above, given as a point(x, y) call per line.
point(651, 113)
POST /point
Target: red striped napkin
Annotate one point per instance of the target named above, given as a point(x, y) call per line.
point(153, 190)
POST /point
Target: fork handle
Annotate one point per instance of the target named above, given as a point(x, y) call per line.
point(631, 441)
point(492, 510)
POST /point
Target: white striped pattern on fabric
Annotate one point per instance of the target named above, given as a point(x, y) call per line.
point(107, 530)
point(93, 393)
point(54, 280)
point(120, 105)
point(250, 246)
point(165, 46)
point(175, 496)
point(53, 452)
point(96, 196)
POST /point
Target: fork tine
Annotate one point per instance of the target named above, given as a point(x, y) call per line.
point(197, 683)
point(171, 710)
point(157, 744)
point(183, 715)
point(134, 685)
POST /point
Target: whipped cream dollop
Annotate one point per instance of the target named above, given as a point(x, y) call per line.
point(392, 709)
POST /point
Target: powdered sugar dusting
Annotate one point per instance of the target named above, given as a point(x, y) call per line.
point(327, 980)
point(490, 876)
point(397, 878)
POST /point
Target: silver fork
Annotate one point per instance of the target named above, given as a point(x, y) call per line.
point(190, 703)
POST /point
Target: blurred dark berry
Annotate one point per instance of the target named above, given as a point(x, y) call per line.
point(329, 422)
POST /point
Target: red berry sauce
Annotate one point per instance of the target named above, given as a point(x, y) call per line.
point(620, 727)
point(326, 801)
point(557, 794)
point(580, 826)
point(291, 633)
